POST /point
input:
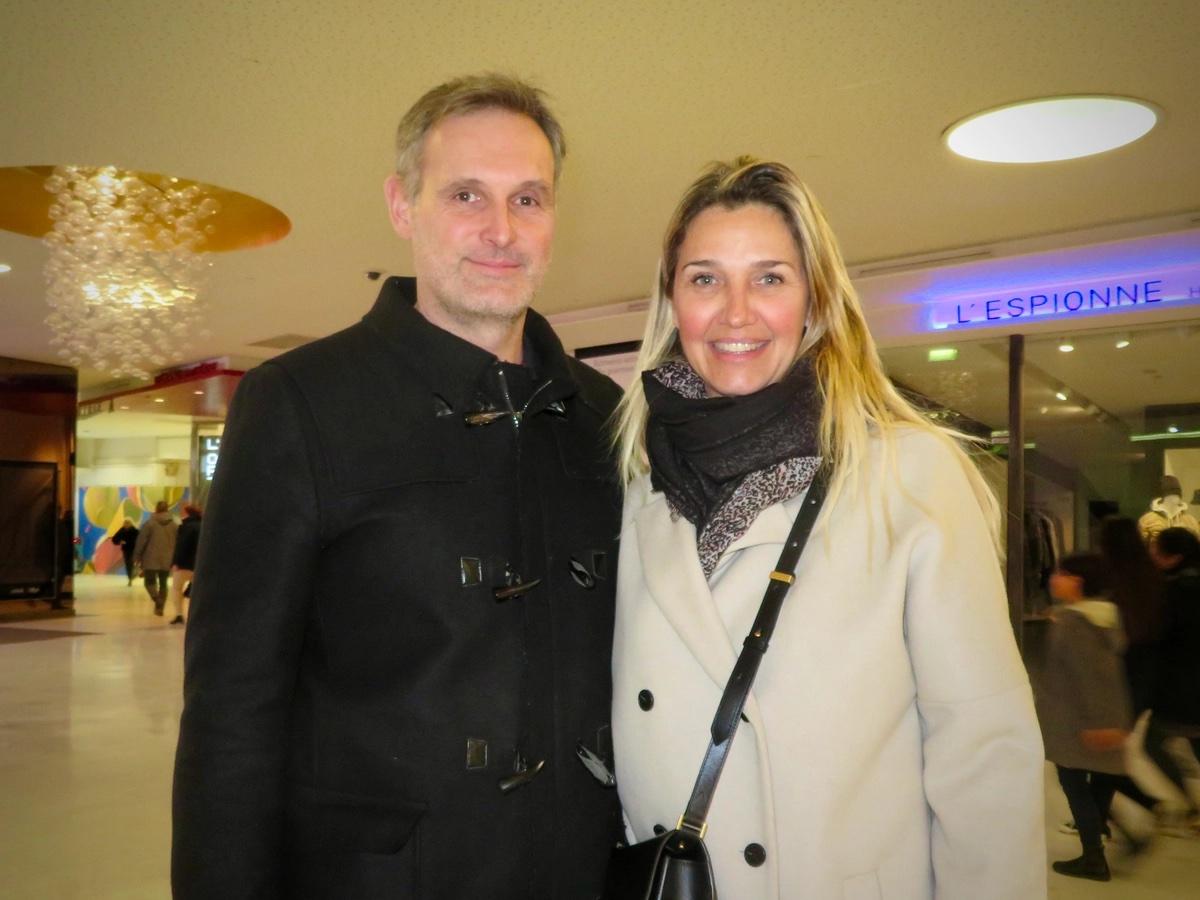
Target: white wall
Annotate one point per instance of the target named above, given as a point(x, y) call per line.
point(163, 461)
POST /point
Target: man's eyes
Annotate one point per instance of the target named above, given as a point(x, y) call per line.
point(527, 201)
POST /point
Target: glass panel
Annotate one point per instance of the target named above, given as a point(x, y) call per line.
point(1108, 419)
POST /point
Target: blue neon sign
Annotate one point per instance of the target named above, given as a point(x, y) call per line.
point(1062, 301)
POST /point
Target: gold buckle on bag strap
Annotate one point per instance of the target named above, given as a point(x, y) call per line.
point(699, 832)
point(776, 575)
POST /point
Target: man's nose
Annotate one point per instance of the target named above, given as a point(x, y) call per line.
point(498, 229)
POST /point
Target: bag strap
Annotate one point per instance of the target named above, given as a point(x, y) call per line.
point(729, 711)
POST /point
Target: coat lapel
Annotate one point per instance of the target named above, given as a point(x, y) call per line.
point(671, 566)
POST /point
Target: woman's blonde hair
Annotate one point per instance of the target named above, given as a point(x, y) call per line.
point(857, 395)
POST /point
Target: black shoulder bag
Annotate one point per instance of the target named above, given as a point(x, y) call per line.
point(675, 865)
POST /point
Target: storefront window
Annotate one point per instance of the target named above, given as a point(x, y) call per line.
point(1107, 414)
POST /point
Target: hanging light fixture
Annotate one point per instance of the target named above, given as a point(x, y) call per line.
point(128, 252)
point(126, 266)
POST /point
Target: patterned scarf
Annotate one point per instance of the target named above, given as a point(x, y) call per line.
point(721, 461)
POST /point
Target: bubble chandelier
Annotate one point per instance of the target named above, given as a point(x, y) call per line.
point(125, 268)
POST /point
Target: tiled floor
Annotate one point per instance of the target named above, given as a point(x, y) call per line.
point(87, 736)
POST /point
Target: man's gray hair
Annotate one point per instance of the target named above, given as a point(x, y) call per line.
point(471, 93)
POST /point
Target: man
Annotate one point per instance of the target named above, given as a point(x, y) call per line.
point(153, 551)
point(398, 647)
point(126, 537)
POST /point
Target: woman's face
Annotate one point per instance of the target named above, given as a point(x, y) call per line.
point(740, 298)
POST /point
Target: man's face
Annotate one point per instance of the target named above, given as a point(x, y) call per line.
point(483, 222)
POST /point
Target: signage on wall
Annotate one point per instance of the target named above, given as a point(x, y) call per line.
point(210, 449)
point(1068, 300)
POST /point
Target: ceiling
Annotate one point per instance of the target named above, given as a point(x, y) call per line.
point(295, 103)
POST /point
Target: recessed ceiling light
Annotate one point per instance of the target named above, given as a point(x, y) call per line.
point(159, 400)
point(198, 393)
point(1173, 429)
point(1065, 346)
point(1051, 128)
point(5, 267)
point(1061, 395)
point(122, 407)
point(943, 354)
point(1122, 343)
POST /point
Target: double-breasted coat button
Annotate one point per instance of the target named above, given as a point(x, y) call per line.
point(755, 854)
point(645, 700)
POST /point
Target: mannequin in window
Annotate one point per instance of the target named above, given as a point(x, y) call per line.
point(1169, 510)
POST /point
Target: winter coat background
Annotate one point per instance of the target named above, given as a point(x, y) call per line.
point(156, 542)
point(354, 693)
point(1084, 685)
point(187, 542)
point(891, 741)
point(1164, 515)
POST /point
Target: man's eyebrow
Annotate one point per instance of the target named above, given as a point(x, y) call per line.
point(533, 184)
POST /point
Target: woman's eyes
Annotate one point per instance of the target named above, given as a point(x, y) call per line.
point(465, 196)
point(705, 279)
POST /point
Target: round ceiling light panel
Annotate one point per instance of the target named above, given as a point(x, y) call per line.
point(1050, 129)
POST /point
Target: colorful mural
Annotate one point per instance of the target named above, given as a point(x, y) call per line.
point(102, 511)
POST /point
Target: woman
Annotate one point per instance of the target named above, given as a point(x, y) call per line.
point(1137, 587)
point(889, 746)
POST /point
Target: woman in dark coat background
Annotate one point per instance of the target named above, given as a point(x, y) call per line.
point(1177, 697)
point(183, 562)
point(126, 537)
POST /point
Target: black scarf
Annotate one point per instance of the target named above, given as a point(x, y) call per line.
point(721, 460)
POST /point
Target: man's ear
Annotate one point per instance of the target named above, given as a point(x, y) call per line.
point(399, 206)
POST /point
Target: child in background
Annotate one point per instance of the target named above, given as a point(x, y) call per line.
point(1084, 705)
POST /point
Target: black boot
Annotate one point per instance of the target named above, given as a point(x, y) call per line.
point(1091, 865)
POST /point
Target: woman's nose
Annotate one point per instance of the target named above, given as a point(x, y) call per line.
point(737, 311)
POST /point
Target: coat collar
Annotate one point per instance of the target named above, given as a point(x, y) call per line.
point(454, 369)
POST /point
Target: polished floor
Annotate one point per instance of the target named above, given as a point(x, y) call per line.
point(89, 709)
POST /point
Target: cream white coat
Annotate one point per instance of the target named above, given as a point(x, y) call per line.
point(892, 749)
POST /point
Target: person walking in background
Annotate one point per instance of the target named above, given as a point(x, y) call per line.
point(1177, 697)
point(1084, 705)
point(153, 552)
point(126, 537)
point(183, 561)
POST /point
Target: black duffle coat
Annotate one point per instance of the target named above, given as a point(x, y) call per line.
point(404, 603)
